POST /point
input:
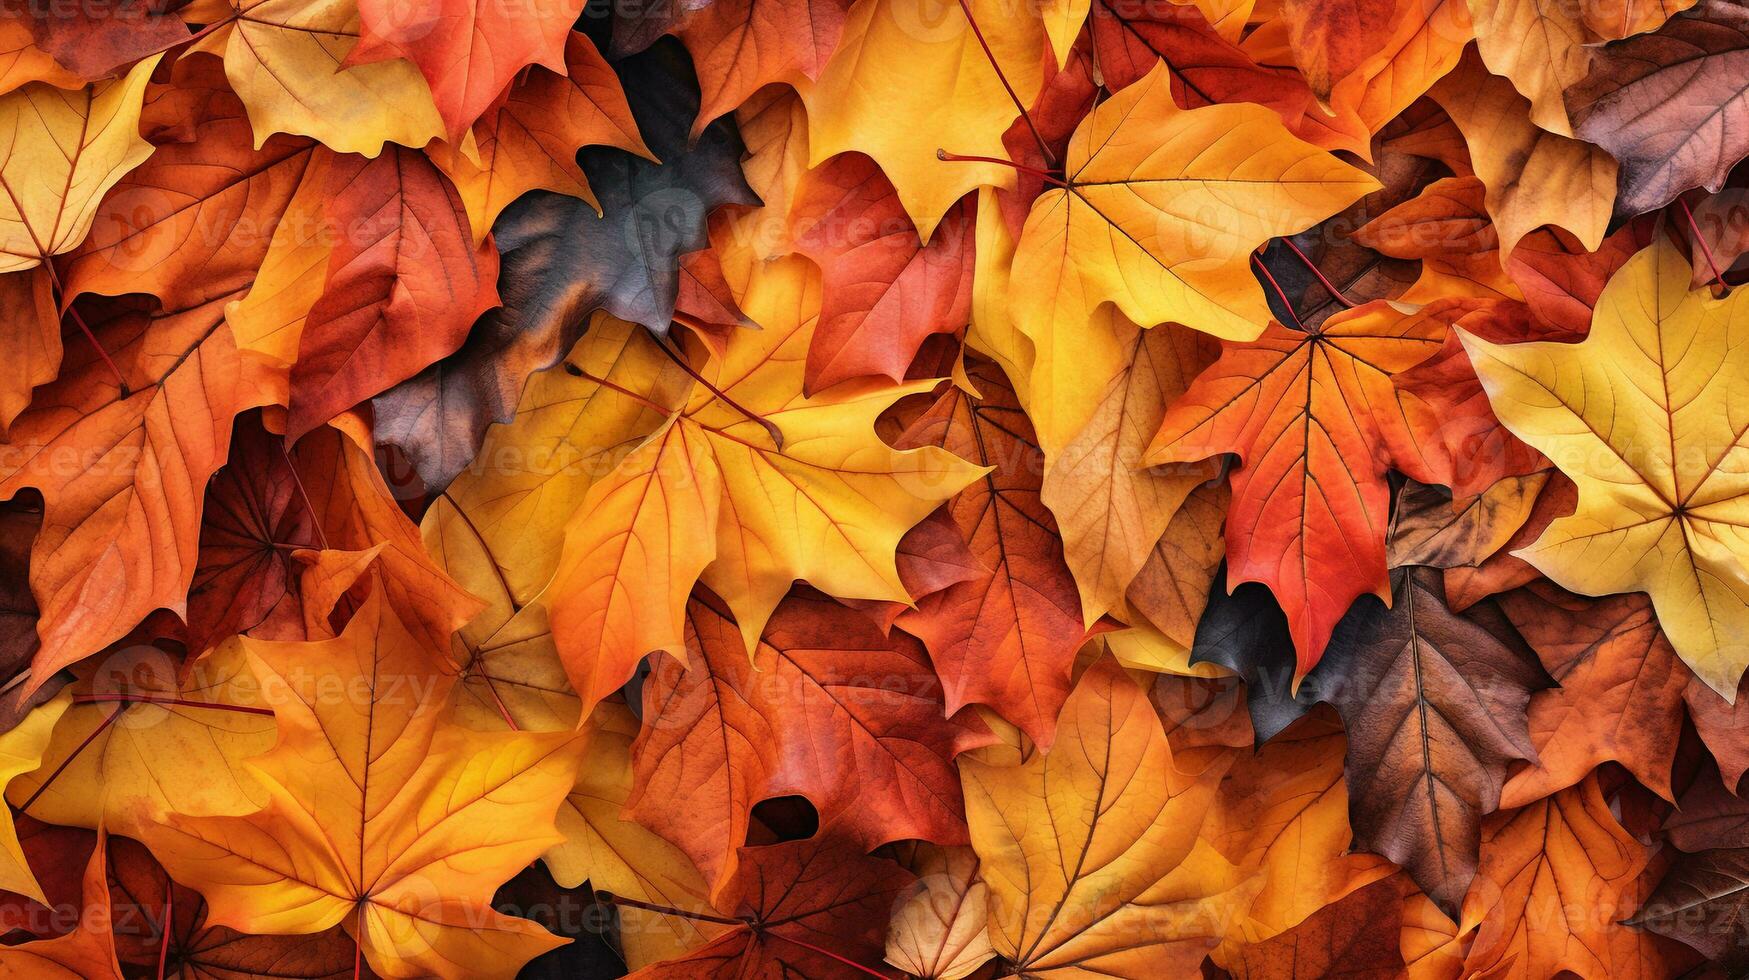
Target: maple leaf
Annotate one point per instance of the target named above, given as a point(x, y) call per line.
point(1720, 724)
point(1533, 177)
point(1439, 530)
point(800, 908)
point(150, 403)
point(1282, 814)
point(574, 424)
point(822, 684)
point(1434, 705)
point(740, 45)
point(1565, 863)
point(137, 735)
point(1111, 509)
point(1169, 235)
point(1006, 637)
point(157, 921)
point(63, 151)
point(187, 226)
point(1332, 40)
point(883, 290)
point(1355, 936)
point(1246, 632)
point(1316, 421)
point(404, 285)
point(828, 505)
point(1620, 693)
point(623, 857)
point(85, 953)
point(1135, 865)
point(290, 63)
point(889, 71)
point(1208, 68)
point(89, 44)
point(560, 261)
point(528, 140)
point(468, 50)
point(1657, 495)
point(941, 925)
point(23, 62)
point(1541, 46)
point(1667, 106)
point(1171, 590)
point(378, 817)
point(21, 750)
point(30, 353)
point(252, 525)
point(1699, 901)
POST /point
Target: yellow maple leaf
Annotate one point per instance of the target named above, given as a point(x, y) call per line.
point(1072, 902)
point(61, 152)
point(288, 60)
point(379, 816)
point(901, 61)
point(1160, 211)
point(1643, 417)
point(713, 496)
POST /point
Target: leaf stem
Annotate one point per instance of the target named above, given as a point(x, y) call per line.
point(85, 328)
point(81, 747)
point(1705, 249)
point(164, 943)
point(315, 518)
point(966, 7)
point(612, 899)
point(826, 952)
point(1043, 175)
point(769, 426)
point(1335, 293)
point(129, 699)
point(1280, 292)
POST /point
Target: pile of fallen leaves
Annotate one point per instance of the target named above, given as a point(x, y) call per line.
point(873, 488)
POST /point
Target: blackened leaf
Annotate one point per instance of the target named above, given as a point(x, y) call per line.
point(1670, 106)
point(561, 260)
point(1246, 632)
point(1434, 704)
